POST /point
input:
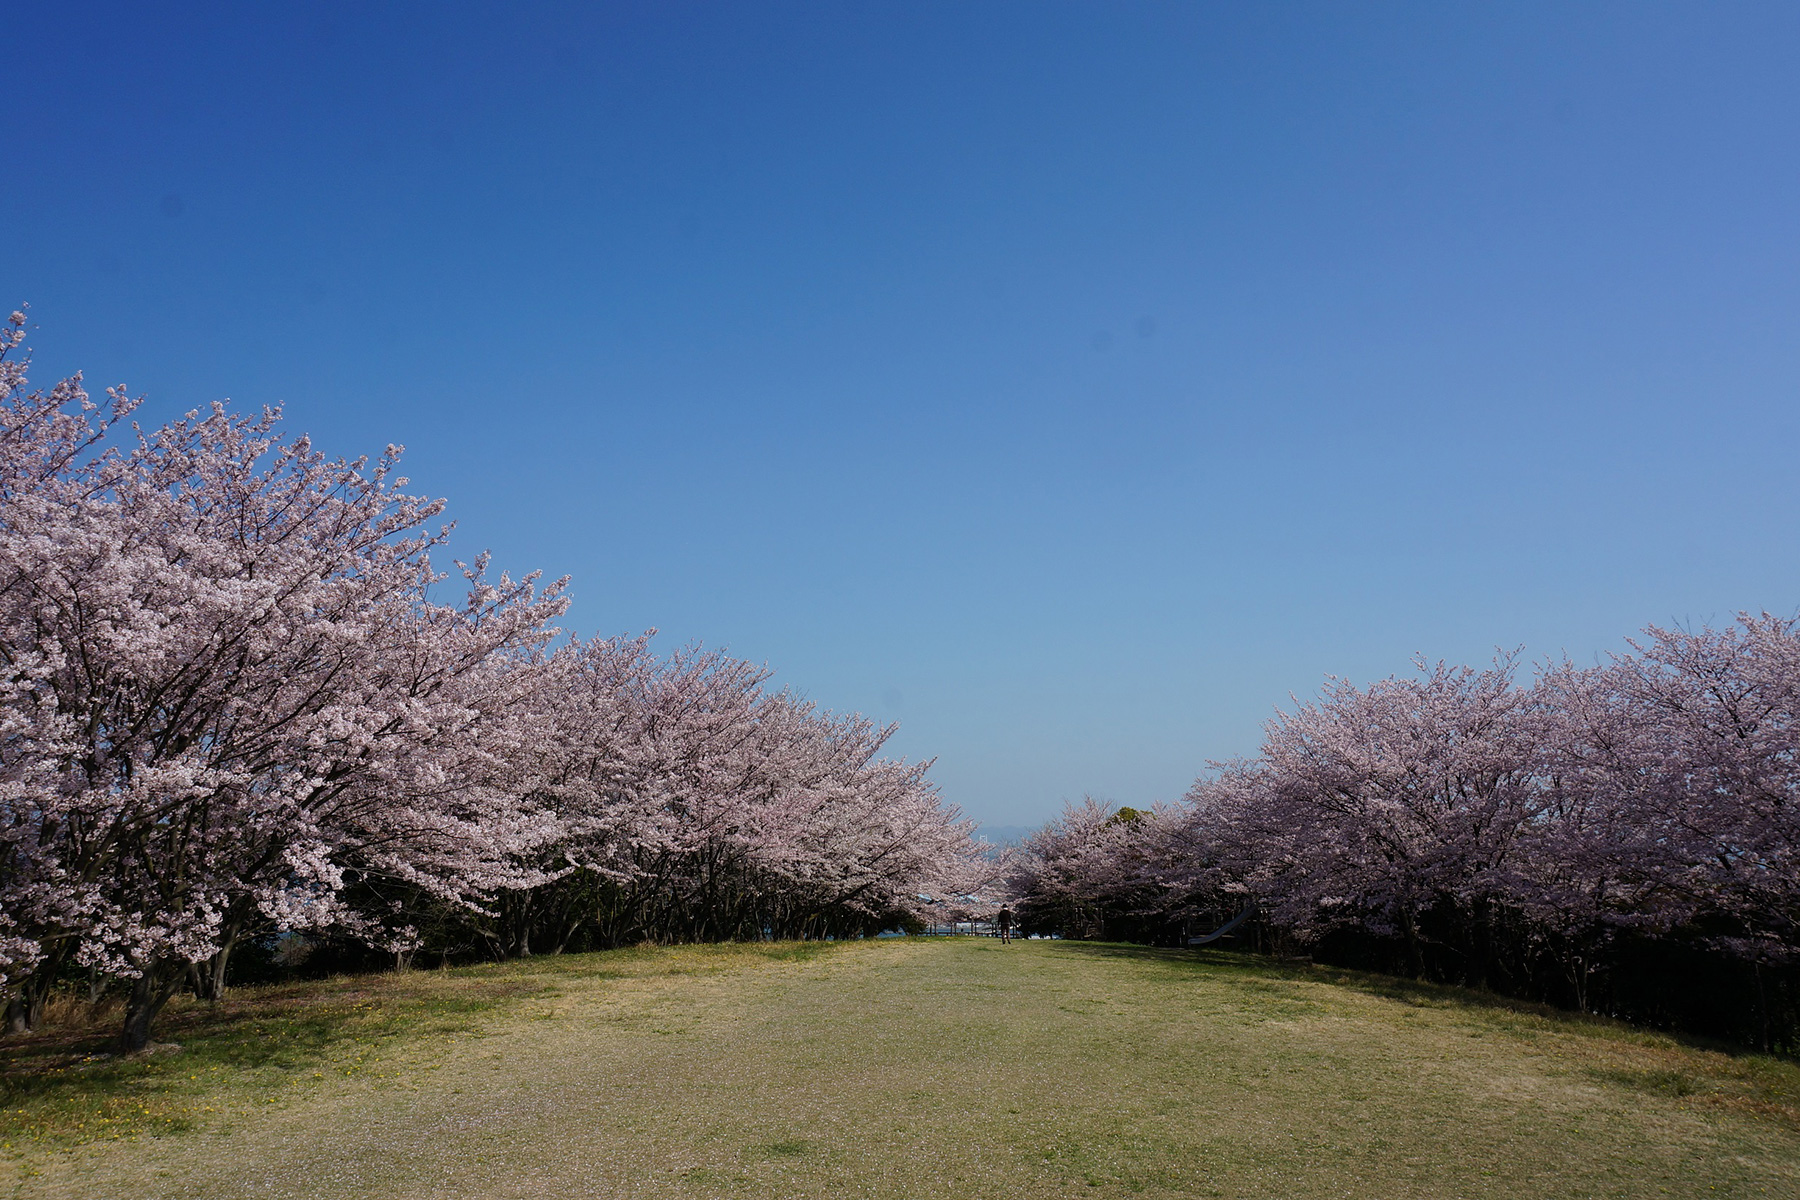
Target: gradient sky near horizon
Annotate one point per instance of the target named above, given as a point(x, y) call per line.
point(1068, 382)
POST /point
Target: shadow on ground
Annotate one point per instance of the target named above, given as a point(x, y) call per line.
point(1416, 992)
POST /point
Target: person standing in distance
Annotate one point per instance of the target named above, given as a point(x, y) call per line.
point(1004, 920)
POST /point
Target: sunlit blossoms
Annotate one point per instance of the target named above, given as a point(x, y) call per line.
point(235, 704)
point(693, 804)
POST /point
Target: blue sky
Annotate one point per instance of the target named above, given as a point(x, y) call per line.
point(1068, 382)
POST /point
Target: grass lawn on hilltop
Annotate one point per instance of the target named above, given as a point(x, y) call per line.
point(899, 1068)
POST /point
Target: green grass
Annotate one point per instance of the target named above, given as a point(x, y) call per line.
point(66, 1087)
point(904, 1069)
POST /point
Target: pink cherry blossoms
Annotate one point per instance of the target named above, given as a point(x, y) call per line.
point(235, 706)
point(1619, 838)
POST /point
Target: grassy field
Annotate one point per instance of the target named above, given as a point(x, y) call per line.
point(906, 1069)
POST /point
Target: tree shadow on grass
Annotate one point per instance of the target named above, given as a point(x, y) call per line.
point(1417, 993)
point(1646, 1062)
point(65, 1084)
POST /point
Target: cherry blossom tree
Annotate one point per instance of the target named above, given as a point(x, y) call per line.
point(1378, 805)
point(695, 804)
point(223, 649)
point(50, 472)
point(1696, 761)
point(1100, 870)
point(1594, 837)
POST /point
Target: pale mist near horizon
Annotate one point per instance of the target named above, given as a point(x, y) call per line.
point(1069, 383)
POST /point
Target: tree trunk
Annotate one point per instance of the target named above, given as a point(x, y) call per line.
point(1762, 1007)
point(149, 992)
point(1577, 970)
point(1415, 954)
point(212, 971)
point(1484, 945)
point(26, 1009)
point(30, 1011)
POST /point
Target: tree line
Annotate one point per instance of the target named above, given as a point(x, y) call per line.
point(1617, 838)
point(235, 704)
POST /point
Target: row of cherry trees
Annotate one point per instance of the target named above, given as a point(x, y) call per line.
point(233, 705)
point(695, 805)
point(1618, 838)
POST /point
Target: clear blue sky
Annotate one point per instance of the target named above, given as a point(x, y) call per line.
point(1069, 382)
